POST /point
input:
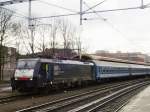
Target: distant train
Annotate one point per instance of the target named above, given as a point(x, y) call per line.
point(38, 73)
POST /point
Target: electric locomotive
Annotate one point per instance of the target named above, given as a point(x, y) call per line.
point(39, 73)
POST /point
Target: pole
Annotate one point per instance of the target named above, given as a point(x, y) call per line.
point(142, 4)
point(31, 27)
point(81, 1)
point(32, 40)
point(29, 19)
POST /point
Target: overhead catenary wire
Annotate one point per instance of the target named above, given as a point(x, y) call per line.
point(54, 5)
point(112, 26)
point(20, 15)
point(85, 12)
point(147, 5)
point(104, 19)
point(91, 12)
point(15, 13)
point(95, 5)
point(9, 2)
point(100, 17)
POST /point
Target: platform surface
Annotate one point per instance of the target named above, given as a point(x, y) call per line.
point(139, 103)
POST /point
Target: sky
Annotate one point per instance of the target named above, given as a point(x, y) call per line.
point(126, 31)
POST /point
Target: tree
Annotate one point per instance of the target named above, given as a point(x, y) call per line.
point(67, 31)
point(65, 27)
point(70, 35)
point(5, 29)
point(16, 33)
point(59, 30)
point(54, 31)
point(42, 32)
point(25, 39)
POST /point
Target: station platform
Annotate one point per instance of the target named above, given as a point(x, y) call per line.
point(139, 103)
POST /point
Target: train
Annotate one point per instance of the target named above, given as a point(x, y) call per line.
point(37, 73)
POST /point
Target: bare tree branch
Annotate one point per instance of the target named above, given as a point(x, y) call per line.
point(5, 28)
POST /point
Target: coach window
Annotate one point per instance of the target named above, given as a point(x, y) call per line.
point(99, 70)
point(104, 69)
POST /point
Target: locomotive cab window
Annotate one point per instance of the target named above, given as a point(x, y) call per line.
point(26, 64)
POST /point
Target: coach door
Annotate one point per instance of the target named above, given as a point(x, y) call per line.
point(45, 72)
point(49, 71)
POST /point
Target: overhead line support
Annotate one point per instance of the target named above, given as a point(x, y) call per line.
point(81, 3)
point(142, 4)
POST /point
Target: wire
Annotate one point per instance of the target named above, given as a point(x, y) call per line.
point(54, 5)
point(111, 25)
point(9, 2)
point(101, 11)
point(20, 15)
point(15, 13)
point(100, 17)
point(147, 5)
point(95, 6)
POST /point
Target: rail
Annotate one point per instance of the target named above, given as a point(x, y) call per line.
point(61, 103)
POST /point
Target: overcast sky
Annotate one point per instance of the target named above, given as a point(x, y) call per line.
point(127, 31)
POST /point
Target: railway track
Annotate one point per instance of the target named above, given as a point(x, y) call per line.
point(100, 103)
point(82, 100)
point(10, 98)
point(4, 85)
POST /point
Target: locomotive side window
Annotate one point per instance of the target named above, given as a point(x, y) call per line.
point(43, 69)
point(46, 71)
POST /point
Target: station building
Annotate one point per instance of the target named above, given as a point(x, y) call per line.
point(134, 56)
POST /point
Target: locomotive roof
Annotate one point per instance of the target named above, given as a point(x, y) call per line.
point(100, 61)
point(59, 61)
point(66, 61)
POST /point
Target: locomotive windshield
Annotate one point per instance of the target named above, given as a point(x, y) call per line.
point(26, 64)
